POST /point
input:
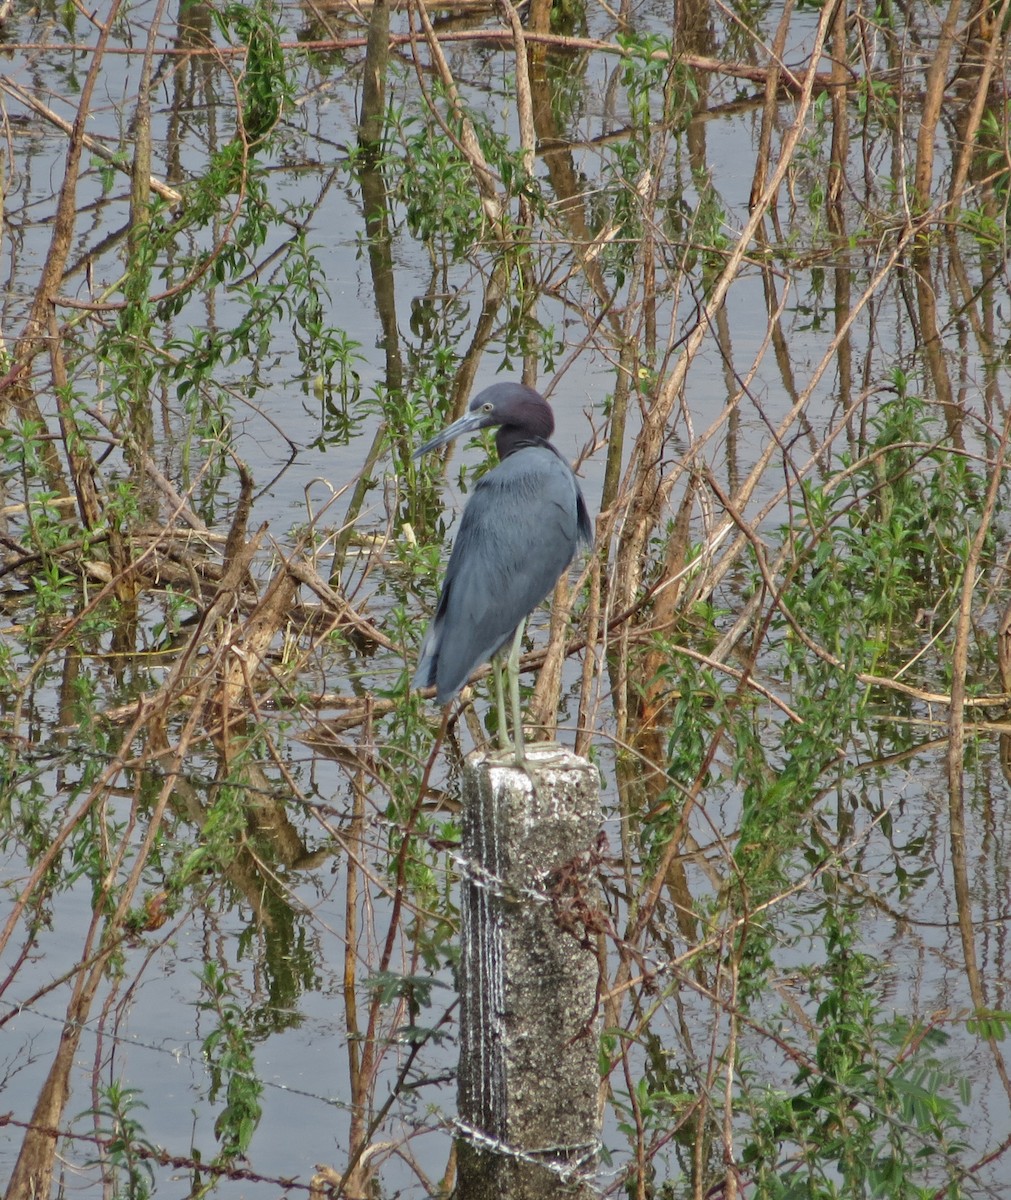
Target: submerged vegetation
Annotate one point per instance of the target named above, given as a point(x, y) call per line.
point(759, 262)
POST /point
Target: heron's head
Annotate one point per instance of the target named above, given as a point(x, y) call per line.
point(521, 413)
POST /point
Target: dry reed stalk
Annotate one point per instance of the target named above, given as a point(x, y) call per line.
point(933, 103)
point(65, 218)
point(839, 151)
point(770, 107)
point(791, 83)
point(995, 43)
point(647, 490)
point(17, 92)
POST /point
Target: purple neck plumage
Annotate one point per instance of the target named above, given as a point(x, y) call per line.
point(532, 424)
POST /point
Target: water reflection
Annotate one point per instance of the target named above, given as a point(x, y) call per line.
point(294, 243)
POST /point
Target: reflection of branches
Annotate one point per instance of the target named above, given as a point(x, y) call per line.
point(66, 210)
point(964, 892)
point(647, 488)
point(466, 138)
point(27, 98)
point(632, 262)
point(32, 1174)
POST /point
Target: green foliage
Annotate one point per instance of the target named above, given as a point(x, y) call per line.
point(873, 1106)
point(663, 1093)
point(875, 1111)
point(871, 549)
point(416, 993)
point(263, 87)
point(412, 830)
point(222, 831)
point(705, 238)
point(696, 715)
point(992, 138)
point(23, 454)
point(228, 1052)
point(644, 70)
point(434, 183)
point(650, 73)
point(884, 541)
point(877, 99)
point(128, 1173)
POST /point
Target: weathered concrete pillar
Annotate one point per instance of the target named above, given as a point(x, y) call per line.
point(528, 1081)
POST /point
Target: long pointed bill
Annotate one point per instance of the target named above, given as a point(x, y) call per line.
point(466, 424)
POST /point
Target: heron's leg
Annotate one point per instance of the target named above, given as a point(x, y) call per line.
point(514, 693)
point(498, 667)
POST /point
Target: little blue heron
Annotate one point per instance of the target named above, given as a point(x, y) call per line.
point(520, 530)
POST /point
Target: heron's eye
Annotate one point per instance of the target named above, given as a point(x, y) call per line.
point(487, 407)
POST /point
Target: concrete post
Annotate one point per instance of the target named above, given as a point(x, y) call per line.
point(528, 1081)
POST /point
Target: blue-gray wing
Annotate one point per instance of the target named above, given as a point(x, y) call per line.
point(518, 533)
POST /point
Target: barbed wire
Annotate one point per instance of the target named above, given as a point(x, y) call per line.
point(178, 1054)
point(157, 1155)
point(546, 1157)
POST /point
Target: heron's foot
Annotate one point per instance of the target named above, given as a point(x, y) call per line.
point(509, 755)
point(550, 752)
point(529, 755)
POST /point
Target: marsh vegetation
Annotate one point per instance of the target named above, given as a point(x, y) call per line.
point(757, 259)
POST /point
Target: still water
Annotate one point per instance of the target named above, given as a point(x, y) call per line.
point(229, 873)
